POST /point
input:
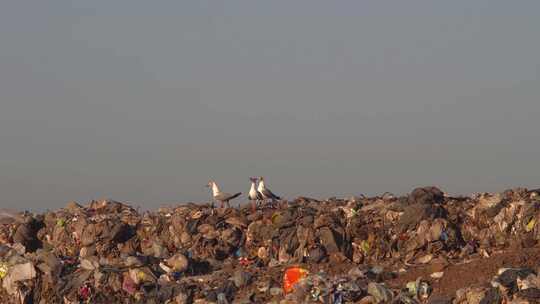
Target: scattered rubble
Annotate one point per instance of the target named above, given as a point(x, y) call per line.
point(383, 249)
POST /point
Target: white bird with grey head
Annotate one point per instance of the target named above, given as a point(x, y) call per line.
point(254, 195)
point(221, 197)
point(265, 192)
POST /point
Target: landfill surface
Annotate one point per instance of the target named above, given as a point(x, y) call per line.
point(424, 247)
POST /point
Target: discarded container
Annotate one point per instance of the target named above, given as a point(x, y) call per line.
point(292, 276)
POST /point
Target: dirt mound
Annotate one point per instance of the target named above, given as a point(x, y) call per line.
point(424, 247)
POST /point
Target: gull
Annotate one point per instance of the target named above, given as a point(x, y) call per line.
point(219, 196)
point(265, 192)
point(254, 195)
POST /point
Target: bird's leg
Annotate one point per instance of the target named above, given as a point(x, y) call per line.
point(253, 205)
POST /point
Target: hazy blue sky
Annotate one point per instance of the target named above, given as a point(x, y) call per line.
point(144, 101)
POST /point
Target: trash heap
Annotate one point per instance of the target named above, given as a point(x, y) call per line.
point(334, 251)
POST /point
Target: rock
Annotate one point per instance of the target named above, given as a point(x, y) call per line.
point(440, 300)
point(426, 195)
point(328, 240)
point(530, 294)
point(18, 273)
point(262, 253)
point(90, 263)
point(492, 296)
point(380, 293)
point(275, 291)
point(488, 201)
point(415, 213)
point(241, 278)
point(368, 300)
point(73, 207)
point(316, 254)
point(178, 262)
point(425, 259)
point(508, 277)
point(8, 217)
point(26, 235)
point(470, 295)
point(21, 272)
point(437, 275)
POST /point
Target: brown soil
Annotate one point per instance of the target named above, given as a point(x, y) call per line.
point(476, 272)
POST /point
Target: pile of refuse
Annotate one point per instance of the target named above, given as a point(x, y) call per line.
point(336, 251)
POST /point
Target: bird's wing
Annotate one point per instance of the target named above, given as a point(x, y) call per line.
point(269, 194)
point(226, 196)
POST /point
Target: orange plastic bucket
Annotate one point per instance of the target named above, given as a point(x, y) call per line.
point(292, 276)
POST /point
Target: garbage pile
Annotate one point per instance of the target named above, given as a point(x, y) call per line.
point(303, 251)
